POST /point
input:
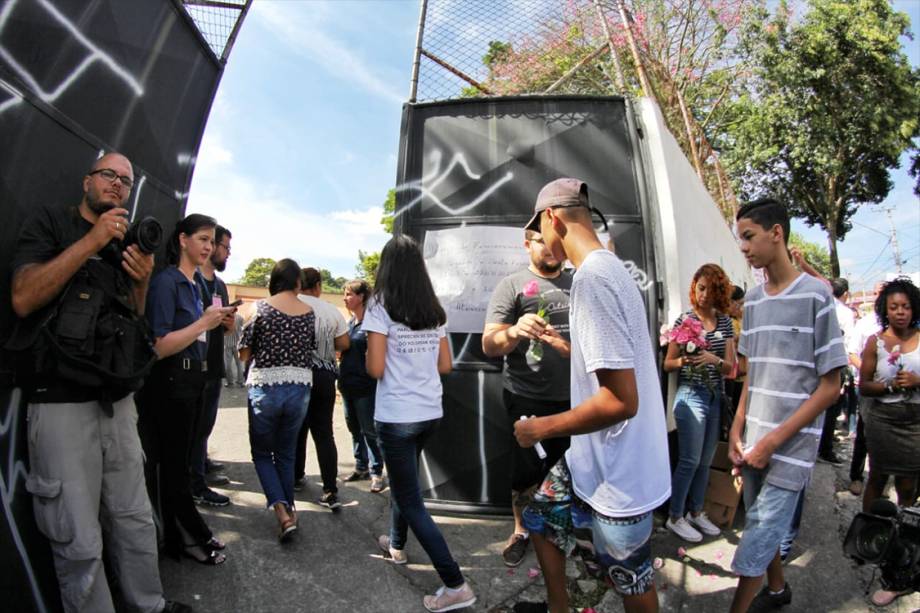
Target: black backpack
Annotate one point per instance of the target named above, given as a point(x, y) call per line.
point(90, 336)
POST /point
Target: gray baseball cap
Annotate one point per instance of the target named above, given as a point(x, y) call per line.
point(559, 193)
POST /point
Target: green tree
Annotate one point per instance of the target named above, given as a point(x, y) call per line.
point(389, 208)
point(832, 104)
point(367, 266)
point(330, 283)
point(814, 254)
point(258, 272)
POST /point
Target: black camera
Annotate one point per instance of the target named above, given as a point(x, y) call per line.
point(147, 234)
point(889, 538)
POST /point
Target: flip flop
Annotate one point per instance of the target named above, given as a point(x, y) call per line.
point(204, 555)
point(883, 598)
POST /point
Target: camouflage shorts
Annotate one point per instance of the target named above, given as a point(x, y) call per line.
point(616, 549)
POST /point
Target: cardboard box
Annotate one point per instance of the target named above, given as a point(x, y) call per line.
point(721, 515)
point(720, 459)
point(722, 497)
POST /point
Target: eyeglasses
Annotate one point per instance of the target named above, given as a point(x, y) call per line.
point(225, 246)
point(110, 175)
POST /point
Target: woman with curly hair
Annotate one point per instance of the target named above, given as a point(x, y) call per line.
point(698, 404)
point(890, 375)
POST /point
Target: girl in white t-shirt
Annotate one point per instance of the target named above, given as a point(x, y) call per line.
point(407, 351)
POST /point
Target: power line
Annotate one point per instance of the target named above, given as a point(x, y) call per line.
point(862, 225)
point(866, 273)
point(894, 241)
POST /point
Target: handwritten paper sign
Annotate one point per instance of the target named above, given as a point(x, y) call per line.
point(465, 264)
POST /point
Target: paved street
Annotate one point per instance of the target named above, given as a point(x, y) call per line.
point(333, 565)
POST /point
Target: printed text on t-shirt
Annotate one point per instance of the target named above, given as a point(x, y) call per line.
point(416, 341)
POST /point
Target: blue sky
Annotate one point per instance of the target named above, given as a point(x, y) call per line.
point(300, 148)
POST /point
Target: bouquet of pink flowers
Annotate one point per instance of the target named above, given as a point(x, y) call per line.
point(531, 289)
point(690, 337)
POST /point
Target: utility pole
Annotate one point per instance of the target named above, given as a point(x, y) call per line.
point(894, 241)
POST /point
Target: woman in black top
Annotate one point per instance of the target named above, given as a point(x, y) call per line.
point(358, 389)
point(171, 401)
point(698, 404)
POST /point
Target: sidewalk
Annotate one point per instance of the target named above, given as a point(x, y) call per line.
point(333, 563)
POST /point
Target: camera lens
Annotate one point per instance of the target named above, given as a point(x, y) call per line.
point(872, 541)
point(148, 234)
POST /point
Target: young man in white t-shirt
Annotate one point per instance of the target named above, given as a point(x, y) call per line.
point(599, 498)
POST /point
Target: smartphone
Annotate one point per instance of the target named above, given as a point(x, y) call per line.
point(235, 303)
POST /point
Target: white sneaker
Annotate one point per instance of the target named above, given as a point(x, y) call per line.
point(704, 524)
point(446, 599)
point(684, 530)
point(396, 556)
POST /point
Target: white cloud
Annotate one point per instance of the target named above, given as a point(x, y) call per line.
point(212, 155)
point(304, 34)
point(269, 227)
point(362, 222)
point(265, 224)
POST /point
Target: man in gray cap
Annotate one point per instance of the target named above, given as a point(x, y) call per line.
point(616, 471)
point(527, 322)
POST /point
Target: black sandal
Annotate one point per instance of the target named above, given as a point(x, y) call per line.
point(204, 555)
point(215, 544)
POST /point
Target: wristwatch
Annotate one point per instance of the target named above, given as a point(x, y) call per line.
point(889, 389)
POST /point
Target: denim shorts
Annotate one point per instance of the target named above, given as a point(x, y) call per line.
point(769, 515)
point(615, 549)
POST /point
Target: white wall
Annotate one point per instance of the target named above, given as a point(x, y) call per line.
point(689, 229)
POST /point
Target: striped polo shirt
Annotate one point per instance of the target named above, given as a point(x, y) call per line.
point(790, 341)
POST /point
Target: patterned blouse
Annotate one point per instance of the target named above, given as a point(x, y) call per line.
point(282, 346)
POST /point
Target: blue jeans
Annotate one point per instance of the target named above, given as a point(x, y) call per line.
point(276, 413)
point(769, 514)
point(359, 416)
point(698, 413)
point(401, 445)
point(785, 547)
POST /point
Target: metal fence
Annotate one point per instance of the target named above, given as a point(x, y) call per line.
point(460, 39)
point(482, 48)
point(218, 21)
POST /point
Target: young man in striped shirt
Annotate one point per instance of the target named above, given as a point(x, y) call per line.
point(794, 351)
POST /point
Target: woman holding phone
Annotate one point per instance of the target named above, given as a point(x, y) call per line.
point(171, 401)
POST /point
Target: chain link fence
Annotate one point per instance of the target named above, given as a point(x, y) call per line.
point(482, 48)
point(218, 21)
point(465, 44)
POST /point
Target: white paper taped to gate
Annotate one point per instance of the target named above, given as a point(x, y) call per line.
point(465, 264)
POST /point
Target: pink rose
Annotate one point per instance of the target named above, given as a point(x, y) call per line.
point(664, 335)
point(895, 355)
point(531, 289)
